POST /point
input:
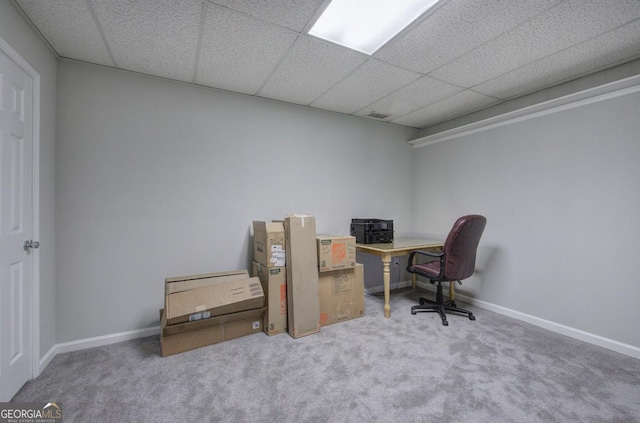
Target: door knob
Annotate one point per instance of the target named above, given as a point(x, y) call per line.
point(30, 244)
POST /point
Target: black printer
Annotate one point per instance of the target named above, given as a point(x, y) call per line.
point(372, 231)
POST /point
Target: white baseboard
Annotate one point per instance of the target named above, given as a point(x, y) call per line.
point(46, 359)
point(590, 338)
point(97, 341)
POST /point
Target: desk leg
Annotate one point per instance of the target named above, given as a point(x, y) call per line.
point(452, 292)
point(386, 279)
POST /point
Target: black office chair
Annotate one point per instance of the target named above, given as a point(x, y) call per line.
point(456, 262)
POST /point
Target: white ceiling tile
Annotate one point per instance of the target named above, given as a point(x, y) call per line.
point(567, 24)
point(69, 28)
point(238, 52)
point(294, 14)
point(455, 28)
point(465, 102)
point(157, 37)
point(311, 68)
point(368, 83)
point(499, 48)
point(616, 46)
point(416, 95)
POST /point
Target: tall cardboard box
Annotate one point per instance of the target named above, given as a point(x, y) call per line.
point(269, 243)
point(274, 285)
point(214, 300)
point(341, 295)
point(336, 252)
point(183, 337)
point(303, 303)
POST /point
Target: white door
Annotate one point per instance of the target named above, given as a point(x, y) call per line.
point(16, 143)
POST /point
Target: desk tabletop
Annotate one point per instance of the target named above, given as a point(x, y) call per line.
point(401, 244)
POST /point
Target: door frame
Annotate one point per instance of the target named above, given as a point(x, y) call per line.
point(35, 208)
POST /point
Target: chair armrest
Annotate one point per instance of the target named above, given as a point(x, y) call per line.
point(438, 254)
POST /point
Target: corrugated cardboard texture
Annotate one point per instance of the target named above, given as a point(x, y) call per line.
point(336, 252)
point(212, 331)
point(269, 243)
point(303, 303)
point(214, 300)
point(274, 285)
point(185, 283)
point(341, 295)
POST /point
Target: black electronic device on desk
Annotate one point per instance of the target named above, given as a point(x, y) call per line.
point(372, 231)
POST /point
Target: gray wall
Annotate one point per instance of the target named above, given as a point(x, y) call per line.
point(15, 31)
point(560, 193)
point(158, 178)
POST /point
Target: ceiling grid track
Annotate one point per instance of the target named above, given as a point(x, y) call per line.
point(276, 67)
point(458, 58)
point(203, 22)
point(101, 32)
point(490, 40)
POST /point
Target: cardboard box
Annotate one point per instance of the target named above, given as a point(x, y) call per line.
point(185, 283)
point(189, 336)
point(341, 295)
point(214, 300)
point(274, 285)
point(303, 303)
point(336, 252)
point(269, 243)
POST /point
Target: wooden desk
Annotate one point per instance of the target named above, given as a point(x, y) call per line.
point(399, 247)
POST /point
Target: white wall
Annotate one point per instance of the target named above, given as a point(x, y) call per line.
point(158, 179)
point(560, 193)
point(19, 35)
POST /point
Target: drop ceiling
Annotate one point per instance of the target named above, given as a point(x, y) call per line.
point(460, 57)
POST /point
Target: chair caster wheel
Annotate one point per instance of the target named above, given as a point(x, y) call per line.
point(421, 301)
point(445, 323)
point(413, 312)
point(472, 317)
point(453, 304)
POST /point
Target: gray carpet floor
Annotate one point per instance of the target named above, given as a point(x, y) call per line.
point(404, 369)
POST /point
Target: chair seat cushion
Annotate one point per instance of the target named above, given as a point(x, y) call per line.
point(430, 269)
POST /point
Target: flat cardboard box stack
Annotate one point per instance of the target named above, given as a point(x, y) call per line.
point(185, 283)
point(341, 295)
point(215, 299)
point(303, 303)
point(206, 309)
point(183, 337)
point(336, 252)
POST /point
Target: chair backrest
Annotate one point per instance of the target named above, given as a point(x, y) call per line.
point(461, 246)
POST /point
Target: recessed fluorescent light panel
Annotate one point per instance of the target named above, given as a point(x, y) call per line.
point(366, 25)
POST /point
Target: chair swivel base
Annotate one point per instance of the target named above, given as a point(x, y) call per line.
point(427, 306)
point(440, 306)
